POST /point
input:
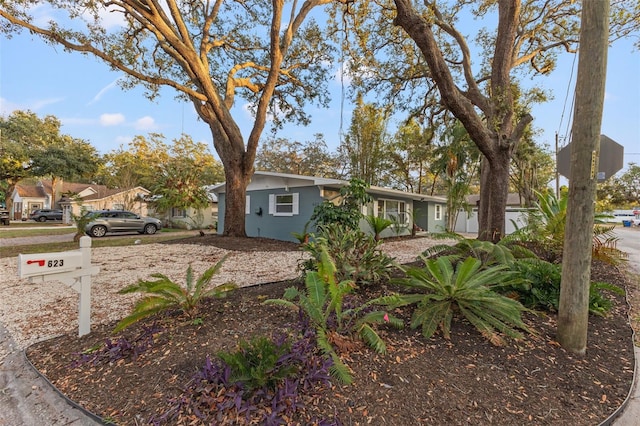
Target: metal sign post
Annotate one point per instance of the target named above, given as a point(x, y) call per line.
point(70, 267)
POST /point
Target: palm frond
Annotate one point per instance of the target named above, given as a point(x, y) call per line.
point(204, 279)
point(143, 308)
point(372, 339)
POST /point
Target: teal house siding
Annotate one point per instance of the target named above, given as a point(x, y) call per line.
point(430, 216)
point(280, 204)
point(277, 227)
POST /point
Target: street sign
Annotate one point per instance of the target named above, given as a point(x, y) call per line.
point(610, 162)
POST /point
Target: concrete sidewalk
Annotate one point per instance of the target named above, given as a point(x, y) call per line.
point(26, 399)
point(629, 242)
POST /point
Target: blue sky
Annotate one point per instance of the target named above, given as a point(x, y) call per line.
point(81, 92)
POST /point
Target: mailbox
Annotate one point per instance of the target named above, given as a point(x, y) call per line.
point(32, 265)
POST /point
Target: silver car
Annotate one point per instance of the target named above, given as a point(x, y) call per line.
point(104, 221)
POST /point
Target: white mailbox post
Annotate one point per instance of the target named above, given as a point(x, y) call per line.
point(70, 267)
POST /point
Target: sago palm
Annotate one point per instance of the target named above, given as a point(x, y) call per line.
point(468, 290)
point(163, 293)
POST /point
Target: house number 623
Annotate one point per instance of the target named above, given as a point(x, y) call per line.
point(55, 263)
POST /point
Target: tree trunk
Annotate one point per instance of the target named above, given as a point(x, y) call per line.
point(238, 170)
point(498, 141)
point(494, 190)
point(235, 202)
point(573, 312)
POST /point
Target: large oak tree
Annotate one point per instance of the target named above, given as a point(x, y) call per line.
point(424, 59)
point(210, 52)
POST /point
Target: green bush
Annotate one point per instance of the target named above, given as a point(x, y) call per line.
point(322, 302)
point(356, 255)
point(468, 290)
point(378, 224)
point(346, 209)
point(257, 363)
point(542, 288)
point(162, 294)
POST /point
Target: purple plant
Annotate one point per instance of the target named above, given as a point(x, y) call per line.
point(212, 397)
point(120, 348)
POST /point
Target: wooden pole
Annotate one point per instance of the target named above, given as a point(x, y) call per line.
point(573, 312)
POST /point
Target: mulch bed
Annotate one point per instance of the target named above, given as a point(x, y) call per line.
point(465, 380)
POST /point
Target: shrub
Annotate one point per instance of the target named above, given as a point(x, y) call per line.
point(356, 255)
point(259, 363)
point(163, 294)
point(542, 290)
point(322, 303)
point(120, 348)
point(468, 290)
point(212, 396)
point(506, 251)
point(347, 210)
point(378, 224)
point(546, 225)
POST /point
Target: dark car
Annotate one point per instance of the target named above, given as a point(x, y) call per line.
point(104, 221)
point(42, 215)
point(4, 217)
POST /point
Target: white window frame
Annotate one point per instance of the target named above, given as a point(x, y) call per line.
point(401, 213)
point(176, 212)
point(438, 212)
point(274, 204)
point(247, 205)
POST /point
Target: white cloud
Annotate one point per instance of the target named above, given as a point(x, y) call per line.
point(124, 140)
point(111, 119)
point(7, 107)
point(145, 123)
point(342, 75)
point(104, 90)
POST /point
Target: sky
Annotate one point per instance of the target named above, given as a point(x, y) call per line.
point(82, 93)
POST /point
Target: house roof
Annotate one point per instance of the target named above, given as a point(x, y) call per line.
point(30, 191)
point(87, 191)
point(513, 199)
point(337, 183)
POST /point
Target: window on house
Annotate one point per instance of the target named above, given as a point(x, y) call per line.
point(117, 207)
point(438, 212)
point(393, 210)
point(247, 205)
point(176, 212)
point(283, 204)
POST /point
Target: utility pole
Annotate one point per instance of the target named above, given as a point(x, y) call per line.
point(573, 312)
point(557, 173)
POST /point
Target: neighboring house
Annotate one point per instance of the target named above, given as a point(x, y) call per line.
point(515, 215)
point(192, 218)
point(76, 198)
point(280, 204)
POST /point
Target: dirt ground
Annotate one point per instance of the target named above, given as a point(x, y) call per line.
point(465, 380)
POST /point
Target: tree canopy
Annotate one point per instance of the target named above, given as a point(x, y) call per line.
point(269, 53)
point(416, 56)
point(33, 147)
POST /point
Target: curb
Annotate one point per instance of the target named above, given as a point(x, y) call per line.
point(68, 400)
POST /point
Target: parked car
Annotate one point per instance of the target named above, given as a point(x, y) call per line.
point(4, 217)
point(42, 215)
point(105, 221)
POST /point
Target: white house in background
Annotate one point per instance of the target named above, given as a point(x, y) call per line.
point(514, 213)
point(191, 218)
